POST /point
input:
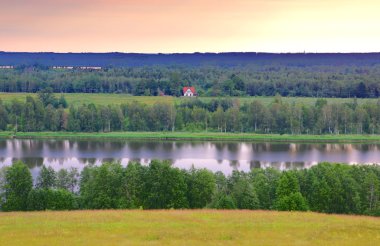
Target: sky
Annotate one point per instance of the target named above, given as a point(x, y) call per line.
point(172, 26)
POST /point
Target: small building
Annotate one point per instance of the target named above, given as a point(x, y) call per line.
point(90, 68)
point(189, 92)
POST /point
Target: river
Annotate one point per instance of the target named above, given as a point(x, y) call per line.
point(215, 156)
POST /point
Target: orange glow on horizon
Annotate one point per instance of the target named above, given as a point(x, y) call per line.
point(190, 25)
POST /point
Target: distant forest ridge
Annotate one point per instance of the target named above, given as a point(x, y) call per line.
point(224, 74)
point(188, 59)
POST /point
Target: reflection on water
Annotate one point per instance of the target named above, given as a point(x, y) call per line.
point(216, 156)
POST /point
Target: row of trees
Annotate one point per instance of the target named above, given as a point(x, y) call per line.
point(328, 188)
point(253, 80)
point(223, 115)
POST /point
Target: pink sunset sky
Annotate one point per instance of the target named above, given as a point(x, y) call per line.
point(190, 25)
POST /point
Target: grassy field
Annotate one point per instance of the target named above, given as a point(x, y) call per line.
point(99, 99)
point(105, 99)
point(199, 136)
point(186, 227)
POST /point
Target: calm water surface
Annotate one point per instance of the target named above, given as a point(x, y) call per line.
point(216, 156)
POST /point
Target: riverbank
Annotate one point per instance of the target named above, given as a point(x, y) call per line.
point(195, 227)
point(203, 136)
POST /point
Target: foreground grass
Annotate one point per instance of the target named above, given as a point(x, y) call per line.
point(186, 227)
point(106, 99)
point(211, 136)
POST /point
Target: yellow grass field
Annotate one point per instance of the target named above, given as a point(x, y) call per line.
point(186, 227)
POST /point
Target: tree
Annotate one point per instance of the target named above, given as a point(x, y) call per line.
point(320, 193)
point(265, 183)
point(3, 116)
point(18, 184)
point(361, 118)
point(47, 178)
point(102, 187)
point(288, 184)
point(239, 84)
point(350, 193)
point(361, 90)
point(133, 190)
point(244, 194)
point(233, 118)
point(42, 199)
point(201, 186)
point(47, 97)
point(292, 202)
point(200, 117)
point(228, 87)
point(371, 187)
point(68, 179)
point(165, 187)
point(219, 119)
point(2, 185)
point(51, 118)
point(29, 115)
point(62, 101)
point(175, 84)
point(256, 114)
point(62, 179)
point(222, 201)
point(288, 194)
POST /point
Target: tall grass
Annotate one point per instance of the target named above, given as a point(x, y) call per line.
point(186, 227)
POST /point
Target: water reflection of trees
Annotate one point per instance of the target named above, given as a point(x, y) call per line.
point(235, 164)
point(219, 146)
point(99, 145)
point(31, 162)
point(56, 144)
point(3, 144)
point(27, 146)
point(294, 165)
point(335, 147)
point(233, 147)
point(136, 160)
point(52, 151)
point(288, 165)
point(254, 164)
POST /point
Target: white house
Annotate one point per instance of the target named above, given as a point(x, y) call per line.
point(189, 92)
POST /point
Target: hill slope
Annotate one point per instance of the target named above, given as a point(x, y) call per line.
point(198, 227)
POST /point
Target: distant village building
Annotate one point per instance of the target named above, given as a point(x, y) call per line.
point(189, 92)
point(90, 68)
point(82, 68)
point(6, 67)
point(160, 93)
point(62, 67)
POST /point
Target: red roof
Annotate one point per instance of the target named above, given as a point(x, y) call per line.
point(186, 88)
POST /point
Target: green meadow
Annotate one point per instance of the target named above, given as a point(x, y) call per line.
point(106, 99)
point(202, 136)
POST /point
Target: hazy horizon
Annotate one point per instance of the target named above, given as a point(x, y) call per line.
point(187, 53)
point(188, 26)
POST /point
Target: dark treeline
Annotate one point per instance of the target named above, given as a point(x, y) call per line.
point(48, 113)
point(189, 59)
point(328, 188)
point(348, 80)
